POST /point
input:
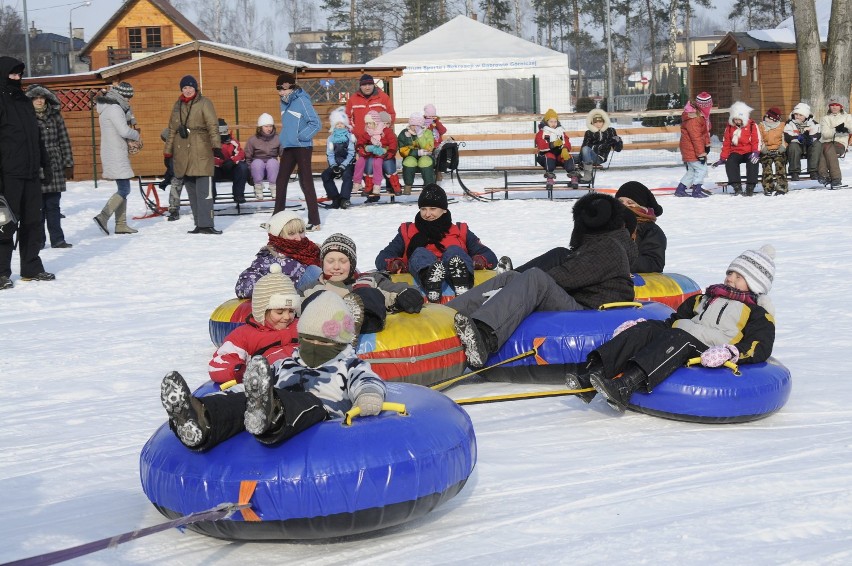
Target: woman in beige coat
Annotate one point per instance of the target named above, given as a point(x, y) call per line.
point(193, 141)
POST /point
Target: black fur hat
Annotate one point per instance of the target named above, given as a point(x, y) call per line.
point(596, 213)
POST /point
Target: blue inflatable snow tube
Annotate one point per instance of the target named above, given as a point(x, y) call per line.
point(716, 395)
point(328, 481)
point(561, 338)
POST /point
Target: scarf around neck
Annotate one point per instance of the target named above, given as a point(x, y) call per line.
point(429, 232)
point(643, 214)
point(722, 290)
point(304, 251)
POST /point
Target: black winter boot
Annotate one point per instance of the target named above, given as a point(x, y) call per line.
point(749, 191)
point(263, 410)
point(577, 377)
point(460, 278)
point(618, 391)
point(186, 413)
point(432, 279)
point(738, 189)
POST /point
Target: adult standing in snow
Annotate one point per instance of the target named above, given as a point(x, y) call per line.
point(299, 125)
point(118, 126)
point(54, 134)
point(835, 128)
point(22, 155)
point(193, 142)
point(369, 97)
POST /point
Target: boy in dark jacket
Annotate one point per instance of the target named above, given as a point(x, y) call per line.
point(596, 271)
point(732, 321)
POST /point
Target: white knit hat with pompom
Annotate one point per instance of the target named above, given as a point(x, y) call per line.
point(274, 291)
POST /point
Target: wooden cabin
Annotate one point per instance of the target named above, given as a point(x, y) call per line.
point(240, 82)
point(138, 28)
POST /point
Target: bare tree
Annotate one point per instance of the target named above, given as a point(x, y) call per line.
point(11, 31)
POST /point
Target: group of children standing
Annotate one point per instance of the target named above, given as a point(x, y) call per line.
point(771, 144)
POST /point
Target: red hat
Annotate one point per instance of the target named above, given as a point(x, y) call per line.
point(774, 113)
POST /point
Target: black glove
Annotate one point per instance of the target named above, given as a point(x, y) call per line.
point(338, 171)
point(410, 301)
point(841, 128)
point(46, 176)
point(217, 152)
point(703, 160)
point(706, 149)
point(69, 173)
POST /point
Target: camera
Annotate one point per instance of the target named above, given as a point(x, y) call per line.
point(183, 131)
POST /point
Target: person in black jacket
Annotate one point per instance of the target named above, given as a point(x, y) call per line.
point(600, 138)
point(650, 238)
point(23, 157)
point(595, 271)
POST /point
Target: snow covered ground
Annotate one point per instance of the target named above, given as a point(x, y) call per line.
point(556, 481)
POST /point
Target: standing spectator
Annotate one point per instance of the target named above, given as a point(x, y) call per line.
point(835, 128)
point(299, 125)
point(801, 134)
point(694, 147)
point(193, 142)
point(416, 145)
point(599, 139)
point(232, 166)
point(554, 148)
point(773, 153)
point(741, 144)
point(54, 134)
point(369, 97)
point(22, 154)
point(262, 151)
point(432, 122)
point(117, 129)
point(340, 151)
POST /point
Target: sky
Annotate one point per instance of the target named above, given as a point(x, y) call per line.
point(556, 481)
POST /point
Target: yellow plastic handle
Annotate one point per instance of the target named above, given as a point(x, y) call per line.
point(386, 406)
point(227, 385)
point(728, 364)
point(618, 305)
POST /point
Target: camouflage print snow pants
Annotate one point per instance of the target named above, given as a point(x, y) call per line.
point(774, 172)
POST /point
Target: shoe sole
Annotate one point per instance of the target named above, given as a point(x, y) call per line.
point(174, 395)
point(103, 227)
point(258, 386)
point(599, 386)
point(435, 277)
point(473, 345)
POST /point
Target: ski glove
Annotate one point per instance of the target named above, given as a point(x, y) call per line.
point(625, 325)
point(720, 162)
point(410, 301)
point(703, 160)
point(338, 171)
point(369, 148)
point(378, 151)
point(754, 157)
point(369, 403)
point(706, 149)
point(395, 265)
point(217, 153)
point(717, 355)
point(479, 262)
point(801, 138)
point(69, 173)
point(423, 152)
point(841, 128)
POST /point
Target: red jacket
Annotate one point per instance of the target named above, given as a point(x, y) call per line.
point(358, 105)
point(455, 236)
point(749, 141)
point(694, 136)
point(229, 361)
point(232, 150)
point(544, 145)
point(388, 142)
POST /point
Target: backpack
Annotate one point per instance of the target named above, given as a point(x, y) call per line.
point(448, 157)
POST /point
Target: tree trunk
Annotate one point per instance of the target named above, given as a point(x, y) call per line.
point(576, 12)
point(838, 71)
point(672, 45)
point(652, 29)
point(809, 56)
point(518, 21)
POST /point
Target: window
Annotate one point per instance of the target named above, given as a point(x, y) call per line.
point(134, 39)
point(152, 37)
point(515, 96)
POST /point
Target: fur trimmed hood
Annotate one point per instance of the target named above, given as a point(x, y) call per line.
point(35, 90)
point(739, 110)
point(597, 112)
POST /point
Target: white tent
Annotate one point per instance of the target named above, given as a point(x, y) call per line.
point(467, 68)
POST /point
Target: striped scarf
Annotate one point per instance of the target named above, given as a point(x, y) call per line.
point(721, 290)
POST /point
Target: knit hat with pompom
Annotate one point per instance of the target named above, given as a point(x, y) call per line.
point(274, 291)
point(757, 267)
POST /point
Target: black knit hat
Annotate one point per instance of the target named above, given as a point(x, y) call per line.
point(189, 80)
point(340, 243)
point(640, 194)
point(432, 195)
point(366, 80)
point(286, 80)
point(596, 213)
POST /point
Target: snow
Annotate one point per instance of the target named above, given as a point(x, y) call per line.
point(823, 16)
point(556, 480)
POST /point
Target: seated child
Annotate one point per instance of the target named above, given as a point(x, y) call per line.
point(323, 379)
point(733, 321)
point(270, 329)
point(650, 238)
point(554, 149)
point(835, 128)
point(801, 134)
point(232, 165)
point(340, 152)
point(416, 145)
point(740, 144)
point(375, 292)
point(298, 256)
point(773, 153)
point(433, 248)
point(600, 138)
point(595, 272)
point(376, 149)
point(262, 152)
point(431, 121)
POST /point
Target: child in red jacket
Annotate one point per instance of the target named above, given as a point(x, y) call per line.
point(376, 148)
point(741, 144)
point(270, 329)
point(554, 149)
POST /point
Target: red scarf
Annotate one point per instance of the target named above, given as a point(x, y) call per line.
point(721, 290)
point(304, 251)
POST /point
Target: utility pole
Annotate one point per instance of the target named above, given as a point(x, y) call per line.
point(610, 97)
